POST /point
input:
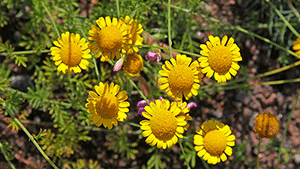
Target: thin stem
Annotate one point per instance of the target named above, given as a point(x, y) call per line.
point(94, 59)
point(183, 152)
point(51, 18)
point(258, 151)
point(163, 48)
point(132, 124)
point(5, 156)
point(33, 140)
point(139, 91)
point(283, 19)
point(294, 10)
point(169, 28)
point(23, 52)
point(118, 8)
point(285, 131)
point(239, 29)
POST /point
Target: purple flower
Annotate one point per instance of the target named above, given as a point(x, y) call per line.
point(191, 104)
point(153, 56)
point(141, 104)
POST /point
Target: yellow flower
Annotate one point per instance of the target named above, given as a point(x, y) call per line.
point(135, 30)
point(133, 65)
point(220, 59)
point(296, 46)
point(71, 53)
point(266, 125)
point(164, 125)
point(213, 141)
point(107, 106)
point(110, 40)
point(181, 76)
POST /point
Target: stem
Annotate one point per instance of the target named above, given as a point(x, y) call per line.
point(283, 19)
point(118, 8)
point(285, 130)
point(239, 29)
point(176, 50)
point(139, 91)
point(5, 156)
point(181, 147)
point(258, 151)
point(33, 140)
point(169, 28)
point(51, 18)
point(23, 52)
point(132, 124)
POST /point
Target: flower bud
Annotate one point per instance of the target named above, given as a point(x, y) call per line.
point(118, 65)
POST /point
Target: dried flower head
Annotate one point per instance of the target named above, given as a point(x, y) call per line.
point(266, 125)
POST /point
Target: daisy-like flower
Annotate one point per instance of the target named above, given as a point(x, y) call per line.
point(164, 124)
point(107, 106)
point(70, 53)
point(296, 46)
point(213, 141)
point(110, 39)
point(220, 59)
point(135, 30)
point(133, 65)
point(266, 125)
point(181, 76)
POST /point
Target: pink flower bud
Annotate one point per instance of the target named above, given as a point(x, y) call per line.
point(191, 104)
point(118, 65)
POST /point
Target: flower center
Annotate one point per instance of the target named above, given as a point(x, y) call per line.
point(181, 78)
point(163, 125)
point(215, 142)
point(133, 64)
point(108, 106)
point(110, 39)
point(71, 54)
point(220, 59)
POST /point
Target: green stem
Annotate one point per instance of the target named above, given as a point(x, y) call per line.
point(283, 19)
point(239, 29)
point(183, 152)
point(94, 59)
point(118, 8)
point(23, 52)
point(176, 50)
point(294, 10)
point(51, 18)
point(139, 91)
point(33, 140)
point(258, 151)
point(169, 28)
point(132, 124)
point(5, 156)
point(285, 131)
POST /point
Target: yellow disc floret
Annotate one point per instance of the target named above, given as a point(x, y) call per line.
point(181, 78)
point(215, 142)
point(266, 125)
point(163, 125)
point(220, 59)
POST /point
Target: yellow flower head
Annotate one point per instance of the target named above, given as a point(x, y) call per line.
point(181, 76)
point(110, 39)
point(133, 65)
point(165, 124)
point(266, 125)
point(71, 53)
point(296, 46)
point(219, 58)
point(107, 106)
point(213, 141)
point(135, 30)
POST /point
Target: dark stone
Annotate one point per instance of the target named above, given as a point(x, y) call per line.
point(21, 82)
